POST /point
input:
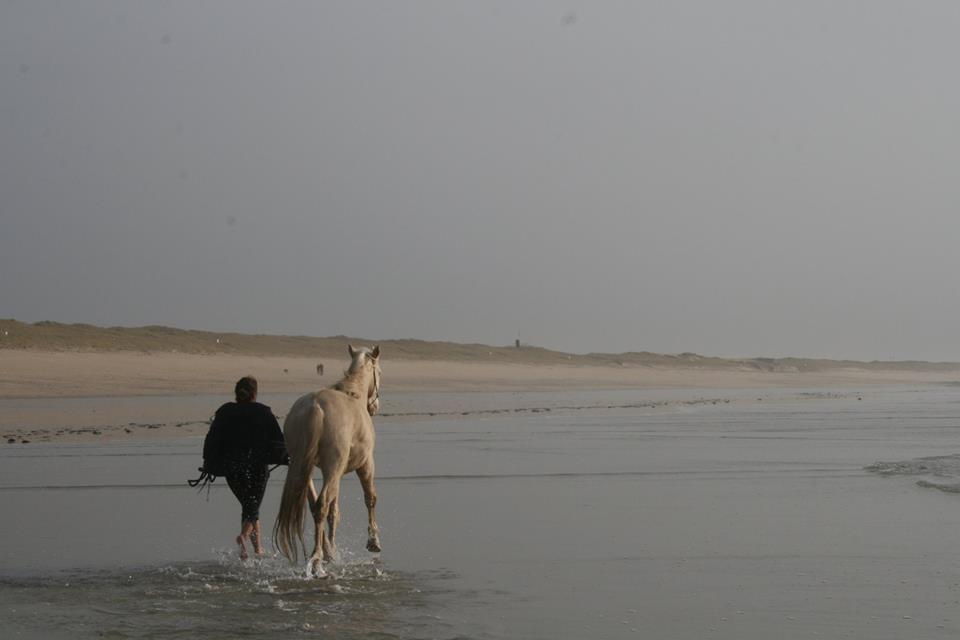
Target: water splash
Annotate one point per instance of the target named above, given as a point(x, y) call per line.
point(222, 598)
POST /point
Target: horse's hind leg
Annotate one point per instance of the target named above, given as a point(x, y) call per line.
point(333, 515)
point(311, 495)
point(315, 563)
point(327, 511)
point(333, 519)
point(365, 473)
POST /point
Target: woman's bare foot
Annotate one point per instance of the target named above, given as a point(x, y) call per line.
point(255, 538)
point(254, 529)
point(249, 530)
point(243, 548)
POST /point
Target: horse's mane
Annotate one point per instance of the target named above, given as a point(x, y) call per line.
point(350, 384)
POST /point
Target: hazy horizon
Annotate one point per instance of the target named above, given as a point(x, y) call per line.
point(739, 179)
point(372, 340)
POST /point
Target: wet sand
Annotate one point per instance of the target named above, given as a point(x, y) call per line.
point(754, 518)
point(516, 500)
point(52, 395)
point(38, 373)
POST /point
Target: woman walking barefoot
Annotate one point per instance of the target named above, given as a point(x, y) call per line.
point(243, 439)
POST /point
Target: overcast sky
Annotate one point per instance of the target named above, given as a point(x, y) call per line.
point(731, 178)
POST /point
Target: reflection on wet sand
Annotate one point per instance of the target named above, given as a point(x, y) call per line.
point(752, 518)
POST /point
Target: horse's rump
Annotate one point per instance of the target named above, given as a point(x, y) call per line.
point(302, 429)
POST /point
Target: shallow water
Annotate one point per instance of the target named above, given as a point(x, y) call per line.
point(741, 519)
point(215, 599)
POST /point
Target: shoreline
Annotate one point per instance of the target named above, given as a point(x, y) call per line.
point(111, 396)
point(105, 423)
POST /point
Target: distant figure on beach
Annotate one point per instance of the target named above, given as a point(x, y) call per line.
point(320, 369)
point(243, 439)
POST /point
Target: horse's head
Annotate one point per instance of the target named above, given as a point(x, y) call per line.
point(367, 359)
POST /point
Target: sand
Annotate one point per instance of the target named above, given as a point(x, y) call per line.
point(51, 395)
point(38, 373)
point(572, 500)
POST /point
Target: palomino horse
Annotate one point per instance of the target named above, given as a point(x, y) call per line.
point(331, 429)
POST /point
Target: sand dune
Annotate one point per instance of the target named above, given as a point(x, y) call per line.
point(49, 360)
point(53, 359)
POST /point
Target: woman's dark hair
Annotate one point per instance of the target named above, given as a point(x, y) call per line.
point(246, 389)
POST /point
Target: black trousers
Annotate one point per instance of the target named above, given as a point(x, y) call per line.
point(248, 483)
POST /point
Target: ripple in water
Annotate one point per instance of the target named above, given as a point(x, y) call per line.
point(224, 599)
point(939, 471)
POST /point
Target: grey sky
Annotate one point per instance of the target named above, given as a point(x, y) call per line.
point(732, 178)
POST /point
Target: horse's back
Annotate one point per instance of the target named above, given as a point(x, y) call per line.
point(340, 410)
point(347, 429)
point(331, 422)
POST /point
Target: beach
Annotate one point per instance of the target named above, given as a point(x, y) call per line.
point(516, 500)
point(51, 394)
point(633, 319)
point(683, 513)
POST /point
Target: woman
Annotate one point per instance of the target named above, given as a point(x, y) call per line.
point(243, 439)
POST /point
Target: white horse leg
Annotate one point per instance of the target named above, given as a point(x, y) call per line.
point(333, 519)
point(315, 563)
point(311, 494)
point(328, 499)
point(365, 473)
point(324, 504)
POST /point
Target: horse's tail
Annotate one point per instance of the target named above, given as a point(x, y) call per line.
point(301, 431)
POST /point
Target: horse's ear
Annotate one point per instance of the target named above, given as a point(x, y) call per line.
point(376, 352)
point(351, 351)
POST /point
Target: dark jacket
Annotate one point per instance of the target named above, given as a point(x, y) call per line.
point(244, 432)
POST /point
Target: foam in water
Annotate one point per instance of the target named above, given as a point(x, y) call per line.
point(221, 598)
point(939, 471)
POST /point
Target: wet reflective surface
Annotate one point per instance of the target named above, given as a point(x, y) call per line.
point(771, 515)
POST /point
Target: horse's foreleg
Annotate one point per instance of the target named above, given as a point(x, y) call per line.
point(365, 473)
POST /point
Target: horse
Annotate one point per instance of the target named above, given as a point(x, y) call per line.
point(332, 429)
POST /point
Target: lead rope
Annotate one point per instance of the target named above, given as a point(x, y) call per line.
point(203, 481)
point(206, 479)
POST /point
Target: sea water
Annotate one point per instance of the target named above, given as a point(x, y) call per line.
point(748, 514)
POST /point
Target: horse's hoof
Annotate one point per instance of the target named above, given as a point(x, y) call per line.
point(373, 545)
point(315, 569)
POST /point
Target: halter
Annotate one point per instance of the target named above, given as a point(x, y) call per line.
point(374, 400)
